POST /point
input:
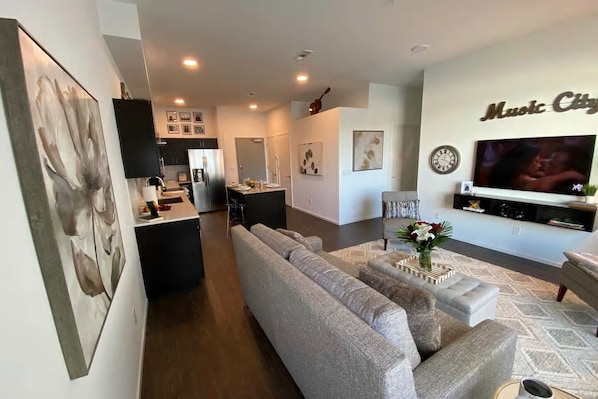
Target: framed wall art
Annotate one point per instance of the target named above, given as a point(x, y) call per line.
point(186, 128)
point(310, 158)
point(367, 149)
point(199, 129)
point(467, 187)
point(172, 129)
point(185, 116)
point(198, 117)
point(171, 117)
point(58, 143)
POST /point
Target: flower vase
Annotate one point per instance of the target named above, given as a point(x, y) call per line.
point(590, 199)
point(425, 259)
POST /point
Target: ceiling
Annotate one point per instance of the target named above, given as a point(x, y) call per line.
point(249, 46)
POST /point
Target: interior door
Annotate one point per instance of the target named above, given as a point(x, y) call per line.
point(284, 167)
point(271, 153)
point(251, 158)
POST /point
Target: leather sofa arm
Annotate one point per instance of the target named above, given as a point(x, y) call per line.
point(315, 242)
point(470, 367)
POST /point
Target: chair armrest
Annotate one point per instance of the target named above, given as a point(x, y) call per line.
point(470, 367)
point(315, 242)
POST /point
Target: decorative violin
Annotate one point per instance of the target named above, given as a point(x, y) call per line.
point(316, 106)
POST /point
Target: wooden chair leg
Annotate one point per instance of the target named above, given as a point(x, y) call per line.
point(561, 293)
point(385, 243)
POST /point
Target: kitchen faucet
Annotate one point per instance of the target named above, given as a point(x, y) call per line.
point(147, 182)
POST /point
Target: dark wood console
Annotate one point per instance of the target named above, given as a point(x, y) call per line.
point(581, 217)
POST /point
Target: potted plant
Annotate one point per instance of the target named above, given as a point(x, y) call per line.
point(589, 191)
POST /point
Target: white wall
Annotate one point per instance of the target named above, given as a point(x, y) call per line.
point(32, 364)
point(340, 195)
point(455, 97)
point(395, 111)
point(232, 123)
point(278, 120)
point(322, 190)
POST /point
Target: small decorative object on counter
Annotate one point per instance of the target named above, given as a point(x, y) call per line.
point(250, 182)
point(589, 191)
point(424, 237)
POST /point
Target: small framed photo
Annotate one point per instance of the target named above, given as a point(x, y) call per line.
point(173, 129)
point(182, 177)
point(171, 117)
point(198, 117)
point(199, 129)
point(185, 116)
point(186, 128)
point(467, 187)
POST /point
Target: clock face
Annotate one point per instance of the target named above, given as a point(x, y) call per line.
point(444, 159)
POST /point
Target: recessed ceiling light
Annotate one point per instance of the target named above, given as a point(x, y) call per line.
point(301, 78)
point(179, 101)
point(420, 48)
point(190, 62)
point(253, 106)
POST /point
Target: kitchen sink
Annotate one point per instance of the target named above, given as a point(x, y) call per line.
point(173, 200)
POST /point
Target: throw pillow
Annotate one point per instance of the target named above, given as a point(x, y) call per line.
point(297, 237)
point(380, 313)
point(281, 244)
point(420, 306)
point(401, 209)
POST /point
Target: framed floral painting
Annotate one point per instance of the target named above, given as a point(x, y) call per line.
point(367, 149)
point(58, 143)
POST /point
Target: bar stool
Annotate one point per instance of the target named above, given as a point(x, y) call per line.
point(235, 212)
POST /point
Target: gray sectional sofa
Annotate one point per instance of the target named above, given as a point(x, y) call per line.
point(339, 338)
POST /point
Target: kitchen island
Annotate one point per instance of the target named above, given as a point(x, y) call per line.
point(264, 206)
point(170, 248)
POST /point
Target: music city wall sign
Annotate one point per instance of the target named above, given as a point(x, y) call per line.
point(565, 101)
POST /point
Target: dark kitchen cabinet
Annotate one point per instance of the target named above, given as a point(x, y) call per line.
point(135, 123)
point(174, 152)
point(171, 256)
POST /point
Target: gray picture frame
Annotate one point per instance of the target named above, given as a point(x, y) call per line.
point(80, 262)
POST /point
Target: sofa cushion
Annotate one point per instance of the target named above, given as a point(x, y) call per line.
point(420, 306)
point(297, 237)
point(400, 209)
point(375, 309)
point(586, 261)
point(279, 243)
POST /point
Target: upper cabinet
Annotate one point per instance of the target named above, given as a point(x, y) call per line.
point(174, 152)
point(135, 123)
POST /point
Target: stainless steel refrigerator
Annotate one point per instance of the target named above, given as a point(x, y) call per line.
point(207, 180)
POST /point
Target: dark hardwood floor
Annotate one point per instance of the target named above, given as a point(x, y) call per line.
point(203, 343)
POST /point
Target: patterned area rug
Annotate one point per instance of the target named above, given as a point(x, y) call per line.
point(556, 340)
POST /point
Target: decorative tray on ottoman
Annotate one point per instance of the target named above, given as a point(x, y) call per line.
point(438, 274)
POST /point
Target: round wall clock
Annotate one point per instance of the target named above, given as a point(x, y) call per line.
point(444, 159)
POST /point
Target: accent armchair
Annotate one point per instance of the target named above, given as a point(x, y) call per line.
point(580, 274)
point(398, 209)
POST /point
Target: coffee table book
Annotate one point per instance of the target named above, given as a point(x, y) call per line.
point(438, 274)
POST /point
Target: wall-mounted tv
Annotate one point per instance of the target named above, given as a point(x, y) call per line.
point(547, 164)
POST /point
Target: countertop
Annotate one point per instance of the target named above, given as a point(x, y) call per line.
point(180, 211)
point(256, 190)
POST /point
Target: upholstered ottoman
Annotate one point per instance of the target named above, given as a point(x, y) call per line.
point(463, 297)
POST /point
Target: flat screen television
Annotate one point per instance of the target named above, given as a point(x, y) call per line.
point(559, 165)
